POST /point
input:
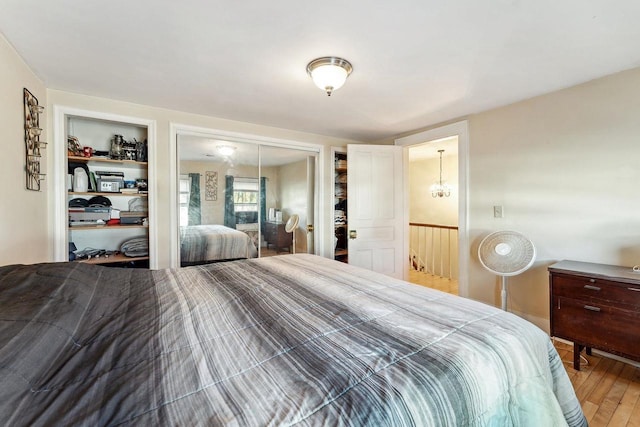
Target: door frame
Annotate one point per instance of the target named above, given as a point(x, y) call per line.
point(176, 129)
point(461, 130)
point(57, 191)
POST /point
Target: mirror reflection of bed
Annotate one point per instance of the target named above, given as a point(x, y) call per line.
point(235, 201)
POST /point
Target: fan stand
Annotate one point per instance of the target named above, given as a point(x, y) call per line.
point(293, 248)
point(290, 227)
point(503, 293)
point(506, 253)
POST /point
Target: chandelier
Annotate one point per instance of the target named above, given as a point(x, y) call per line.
point(440, 189)
point(329, 73)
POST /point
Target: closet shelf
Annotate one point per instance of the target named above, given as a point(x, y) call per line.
point(94, 193)
point(105, 160)
point(111, 259)
point(106, 227)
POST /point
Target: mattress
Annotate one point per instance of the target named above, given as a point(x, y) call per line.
point(205, 243)
point(286, 340)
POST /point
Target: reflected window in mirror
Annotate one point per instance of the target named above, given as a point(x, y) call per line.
point(184, 189)
point(246, 200)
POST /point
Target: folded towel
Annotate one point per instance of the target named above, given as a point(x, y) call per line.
point(136, 247)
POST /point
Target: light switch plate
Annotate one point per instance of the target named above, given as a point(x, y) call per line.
point(498, 212)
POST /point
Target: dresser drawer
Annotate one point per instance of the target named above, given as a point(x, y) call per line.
point(594, 289)
point(609, 328)
point(595, 306)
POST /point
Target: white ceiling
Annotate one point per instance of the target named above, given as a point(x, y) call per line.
point(416, 62)
point(198, 148)
point(429, 150)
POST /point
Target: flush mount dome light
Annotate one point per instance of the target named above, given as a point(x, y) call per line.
point(226, 150)
point(329, 73)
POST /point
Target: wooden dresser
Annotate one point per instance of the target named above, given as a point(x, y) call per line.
point(596, 306)
point(275, 235)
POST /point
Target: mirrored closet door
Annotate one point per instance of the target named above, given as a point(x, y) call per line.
point(243, 200)
point(290, 200)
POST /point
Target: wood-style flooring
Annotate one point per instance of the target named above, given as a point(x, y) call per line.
point(264, 252)
point(443, 284)
point(608, 390)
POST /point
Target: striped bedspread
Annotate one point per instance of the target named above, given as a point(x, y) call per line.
point(203, 243)
point(288, 340)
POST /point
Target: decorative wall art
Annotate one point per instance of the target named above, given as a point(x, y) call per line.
point(211, 186)
point(32, 141)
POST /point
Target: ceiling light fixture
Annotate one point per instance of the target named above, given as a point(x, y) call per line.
point(329, 73)
point(440, 189)
point(226, 150)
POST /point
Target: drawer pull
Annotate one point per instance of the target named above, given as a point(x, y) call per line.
point(591, 287)
point(592, 280)
point(591, 308)
point(634, 289)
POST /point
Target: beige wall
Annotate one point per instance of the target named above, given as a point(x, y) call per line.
point(293, 196)
point(163, 118)
point(434, 249)
point(566, 168)
point(424, 208)
point(213, 210)
point(24, 231)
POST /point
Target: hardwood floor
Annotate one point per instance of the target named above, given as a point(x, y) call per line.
point(264, 252)
point(608, 390)
point(435, 282)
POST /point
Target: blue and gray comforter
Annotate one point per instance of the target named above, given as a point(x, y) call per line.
point(288, 340)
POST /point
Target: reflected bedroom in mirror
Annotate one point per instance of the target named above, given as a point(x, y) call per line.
point(236, 199)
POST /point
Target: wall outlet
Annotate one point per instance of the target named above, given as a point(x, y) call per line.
point(498, 212)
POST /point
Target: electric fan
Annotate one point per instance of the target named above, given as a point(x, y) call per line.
point(290, 227)
point(506, 253)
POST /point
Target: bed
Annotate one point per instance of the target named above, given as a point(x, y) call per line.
point(200, 244)
point(286, 340)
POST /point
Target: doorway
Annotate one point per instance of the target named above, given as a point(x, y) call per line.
point(461, 131)
point(433, 214)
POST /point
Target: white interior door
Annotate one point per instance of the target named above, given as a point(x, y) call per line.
point(375, 208)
